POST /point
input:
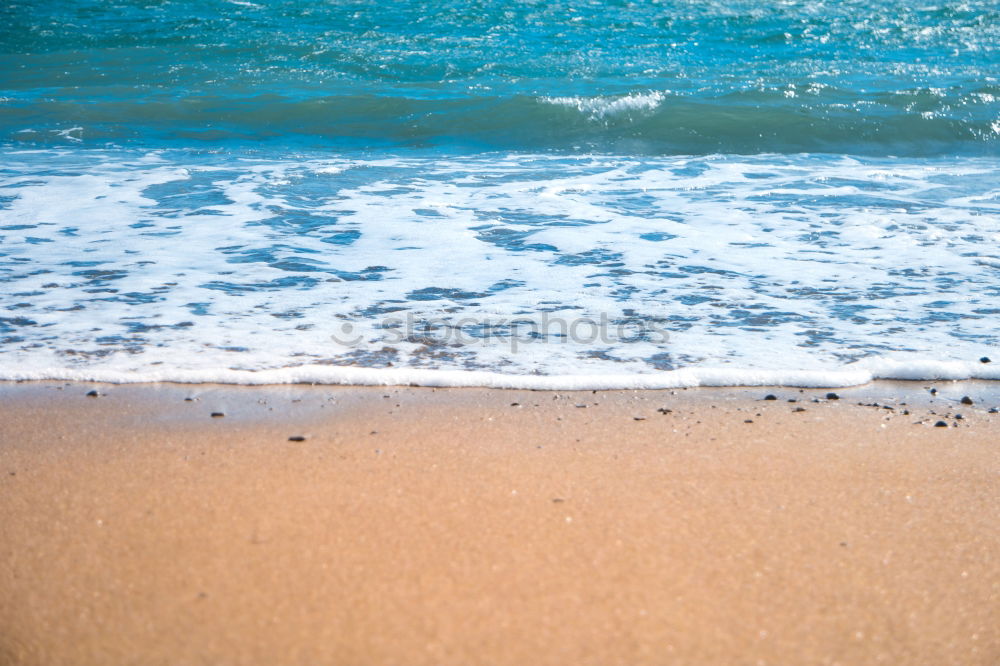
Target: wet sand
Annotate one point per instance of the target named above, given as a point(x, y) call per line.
point(326, 525)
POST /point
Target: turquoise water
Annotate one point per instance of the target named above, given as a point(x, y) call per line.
point(727, 192)
point(859, 77)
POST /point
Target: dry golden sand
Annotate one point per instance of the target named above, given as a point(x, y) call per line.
point(415, 526)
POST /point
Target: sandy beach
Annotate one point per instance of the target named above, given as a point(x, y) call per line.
point(333, 525)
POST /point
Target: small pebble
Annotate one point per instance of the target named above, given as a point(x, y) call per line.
point(940, 424)
point(799, 409)
point(966, 400)
point(513, 404)
point(748, 421)
point(985, 359)
point(638, 418)
point(296, 438)
point(994, 410)
point(217, 415)
point(664, 410)
point(188, 399)
point(770, 396)
point(93, 394)
point(959, 417)
point(933, 391)
point(832, 396)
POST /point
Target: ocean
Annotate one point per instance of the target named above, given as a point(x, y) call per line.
point(564, 195)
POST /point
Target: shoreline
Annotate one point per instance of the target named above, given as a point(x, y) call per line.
point(850, 376)
point(174, 399)
point(378, 525)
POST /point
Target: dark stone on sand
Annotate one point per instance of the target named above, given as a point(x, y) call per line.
point(188, 399)
point(832, 396)
point(664, 410)
point(959, 417)
point(985, 359)
point(940, 424)
point(993, 410)
point(93, 394)
point(966, 400)
point(515, 404)
point(906, 412)
point(638, 418)
point(770, 396)
point(296, 438)
point(217, 415)
point(933, 391)
point(748, 421)
point(799, 409)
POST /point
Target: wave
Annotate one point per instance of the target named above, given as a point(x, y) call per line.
point(527, 265)
point(600, 107)
point(857, 375)
point(649, 123)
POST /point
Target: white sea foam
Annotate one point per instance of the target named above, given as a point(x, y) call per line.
point(69, 133)
point(601, 107)
point(988, 261)
point(806, 271)
point(685, 378)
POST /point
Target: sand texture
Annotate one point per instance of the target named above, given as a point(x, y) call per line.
point(463, 526)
